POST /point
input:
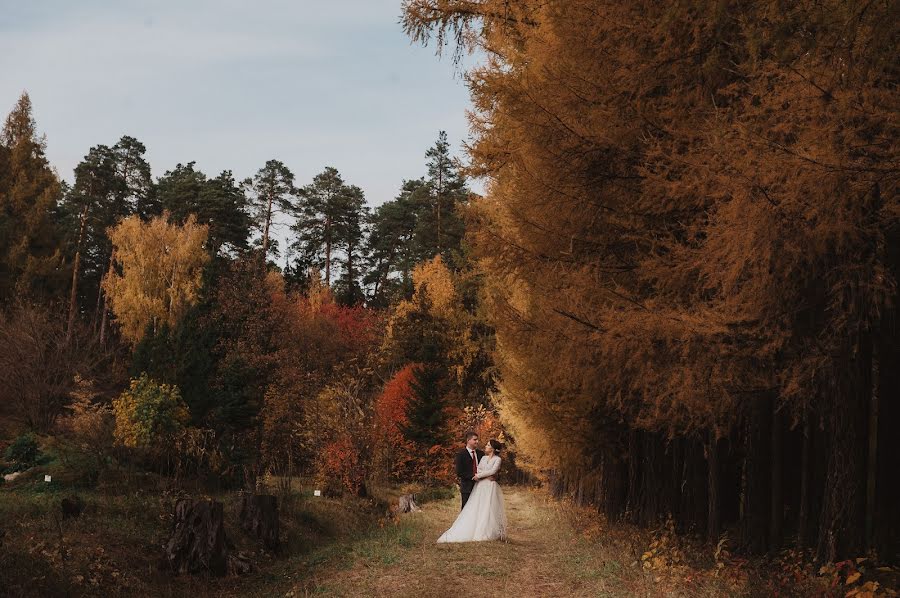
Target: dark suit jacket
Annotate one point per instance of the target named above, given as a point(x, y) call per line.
point(464, 469)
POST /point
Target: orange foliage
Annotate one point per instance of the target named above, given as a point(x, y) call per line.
point(394, 453)
point(437, 467)
point(390, 407)
point(396, 457)
point(355, 326)
point(340, 467)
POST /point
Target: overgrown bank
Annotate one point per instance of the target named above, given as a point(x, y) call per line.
point(114, 547)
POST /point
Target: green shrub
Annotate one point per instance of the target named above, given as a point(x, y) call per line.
point(23, 452)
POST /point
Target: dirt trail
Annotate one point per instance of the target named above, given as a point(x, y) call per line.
point(543, 557)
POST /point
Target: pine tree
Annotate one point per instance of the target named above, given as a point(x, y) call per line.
point(134, 187)
point(178, 191)
point(83, 202)
point(223, 207)
point(30, 256)
point(391, 252)
point(440, 229)
point(426, 417)
point(219, 203)
point(110, 184)
point(351, 237)
point(330, 221)
point(271, 193)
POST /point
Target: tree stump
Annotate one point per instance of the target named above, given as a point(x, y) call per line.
point(71, 507)
point(198, 542)
point(407, 504)
point(259, 518)
point(239, 564)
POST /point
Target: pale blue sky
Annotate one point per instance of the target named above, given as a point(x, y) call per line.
point(232, 84)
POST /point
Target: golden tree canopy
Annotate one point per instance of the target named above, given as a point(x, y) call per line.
point(157, 272)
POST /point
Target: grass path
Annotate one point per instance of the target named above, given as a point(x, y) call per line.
point(544, 556)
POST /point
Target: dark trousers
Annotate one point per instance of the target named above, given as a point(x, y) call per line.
point(465, 498)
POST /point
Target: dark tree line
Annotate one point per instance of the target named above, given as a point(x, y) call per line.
point(54, 239)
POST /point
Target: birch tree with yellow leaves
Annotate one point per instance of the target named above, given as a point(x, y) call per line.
point(157, 272)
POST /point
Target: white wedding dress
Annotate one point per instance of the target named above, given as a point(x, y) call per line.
point(483, 517)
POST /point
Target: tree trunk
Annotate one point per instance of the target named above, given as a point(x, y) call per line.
point(805, 474)
point(103, 320)
point(95, 323)
point(842, 526)
point(439, 193)
point(887, 520)
point(632, 495)
point(198, 543)
point(259, 518)
point(755, 478)
point(872, 453)
point(265, 239)
point(73, 294)
point(712, 460)
point(776, 509)
point(328, 253)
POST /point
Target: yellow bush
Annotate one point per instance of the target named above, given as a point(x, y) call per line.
point(148, 413)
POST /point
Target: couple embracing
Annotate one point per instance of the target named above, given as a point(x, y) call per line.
point(483, 516)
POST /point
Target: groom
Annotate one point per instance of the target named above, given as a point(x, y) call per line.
point(467, 465)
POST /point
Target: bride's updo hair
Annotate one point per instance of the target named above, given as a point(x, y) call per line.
point(496, 445)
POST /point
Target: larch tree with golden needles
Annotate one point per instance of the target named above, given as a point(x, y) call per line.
point(692, 208)
point(157, 274)
point(30, 257)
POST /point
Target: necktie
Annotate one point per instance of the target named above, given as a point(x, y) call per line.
point(474, 464)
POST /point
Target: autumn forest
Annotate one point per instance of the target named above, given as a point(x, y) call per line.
point(673, 298)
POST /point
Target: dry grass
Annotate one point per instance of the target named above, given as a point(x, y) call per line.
point(553, 550)
point(114, 548)
point(336, 547)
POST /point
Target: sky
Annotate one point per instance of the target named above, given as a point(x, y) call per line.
point(233, 84)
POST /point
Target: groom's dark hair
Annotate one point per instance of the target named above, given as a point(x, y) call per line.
point(470, 434)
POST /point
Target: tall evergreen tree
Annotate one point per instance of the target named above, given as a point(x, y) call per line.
point(219, 203)
point(178, 191)
point(223, 206)
point(351, 241)
point(391, 253)
point(30, 257)
point(133, 186)
point(111, 183)
point(426, 417)
point(440, 228)
point(271, 193)
point(331, 219)
point(321, 207)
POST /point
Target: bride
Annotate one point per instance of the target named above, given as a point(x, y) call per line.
point(483, 517)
